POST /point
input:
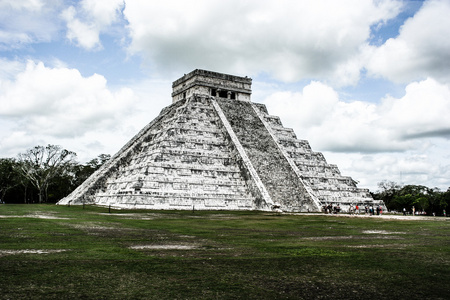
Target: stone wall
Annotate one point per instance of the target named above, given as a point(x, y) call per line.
point(205, 152)
point(211, 83)
point(324, 180)
point(183, 161)
point(283, 185)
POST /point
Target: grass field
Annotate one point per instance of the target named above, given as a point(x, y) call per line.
point(59, 252)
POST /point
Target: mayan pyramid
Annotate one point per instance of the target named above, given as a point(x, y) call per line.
point(214, 149)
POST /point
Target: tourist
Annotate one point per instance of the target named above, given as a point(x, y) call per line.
point(357, 209)
point(404, 211)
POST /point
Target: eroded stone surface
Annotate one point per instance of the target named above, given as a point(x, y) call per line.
point(213, 149)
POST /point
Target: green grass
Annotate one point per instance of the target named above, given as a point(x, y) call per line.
point(93, 254)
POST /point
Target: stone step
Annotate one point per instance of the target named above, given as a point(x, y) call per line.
point(275, 172)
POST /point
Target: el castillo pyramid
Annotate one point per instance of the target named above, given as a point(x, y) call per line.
point(214, 149)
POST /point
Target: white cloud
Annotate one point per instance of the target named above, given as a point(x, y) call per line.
point(89, 19)
point(421, 50)
point(25, 22)
point(330, 124)
point(59, 103)
point(289, 40)
point(9, 69)
point(85, 34)
point(317, 114)
point(31, 5)
point(421, 112)
point(299, 107)
point(430, 168)
point(17, 142)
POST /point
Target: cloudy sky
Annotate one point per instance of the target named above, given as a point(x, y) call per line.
point(366, 82)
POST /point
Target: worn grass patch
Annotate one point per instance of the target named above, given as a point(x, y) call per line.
point(54, 252)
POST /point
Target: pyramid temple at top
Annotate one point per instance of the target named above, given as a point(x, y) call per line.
point(214, 149)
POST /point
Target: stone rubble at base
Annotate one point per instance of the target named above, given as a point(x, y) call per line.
point(214, 149)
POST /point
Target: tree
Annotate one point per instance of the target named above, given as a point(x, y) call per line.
point(401, 201)
point(40, 165)
point(434, 200)
point(82, 172)
point(396, 197)
point(98, 161)
point(444, 201)
point(388, 191)
point(8, 176)
point(76, 174)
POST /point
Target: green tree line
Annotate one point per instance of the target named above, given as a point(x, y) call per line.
point(43, 174)
point(419, 198)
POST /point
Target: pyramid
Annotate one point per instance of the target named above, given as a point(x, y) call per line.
point(214, 149)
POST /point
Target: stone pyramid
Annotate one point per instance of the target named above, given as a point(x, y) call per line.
point(214, 149)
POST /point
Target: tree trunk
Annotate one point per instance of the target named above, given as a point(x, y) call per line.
point(25, 195)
